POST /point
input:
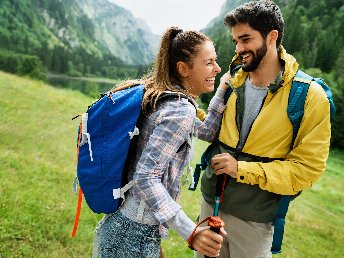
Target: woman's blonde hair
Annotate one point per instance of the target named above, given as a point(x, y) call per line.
point(176, 45)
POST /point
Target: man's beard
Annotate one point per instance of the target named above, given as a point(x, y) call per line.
point(256, 59)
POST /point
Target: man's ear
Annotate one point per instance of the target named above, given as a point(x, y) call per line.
point(273, 35)
point(183, 69)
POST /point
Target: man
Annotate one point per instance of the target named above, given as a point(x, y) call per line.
point(255, 149)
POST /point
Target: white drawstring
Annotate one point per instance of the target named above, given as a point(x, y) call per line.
point(86, 138)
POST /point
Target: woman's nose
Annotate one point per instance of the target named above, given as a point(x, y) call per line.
point(217, 68)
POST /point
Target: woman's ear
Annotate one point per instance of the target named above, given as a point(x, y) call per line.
point(183, 69)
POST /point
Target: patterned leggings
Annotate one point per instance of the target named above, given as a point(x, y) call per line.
point(121, 237)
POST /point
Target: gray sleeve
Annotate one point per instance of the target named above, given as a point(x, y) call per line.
point(209, 128)
point(182, 224)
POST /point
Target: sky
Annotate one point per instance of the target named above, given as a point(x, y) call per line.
point(161, 14)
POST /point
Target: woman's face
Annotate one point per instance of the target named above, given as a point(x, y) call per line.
point(200, 77)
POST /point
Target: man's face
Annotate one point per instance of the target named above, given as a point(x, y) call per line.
point(250, 46)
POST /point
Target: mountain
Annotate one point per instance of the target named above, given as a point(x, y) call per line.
point(77, 36)
point(117, 30)
point(216, 25)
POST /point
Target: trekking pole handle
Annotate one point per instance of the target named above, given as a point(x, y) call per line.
point(216, 213)
point(216, 230)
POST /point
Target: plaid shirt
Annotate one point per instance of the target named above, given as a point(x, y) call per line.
point(164, 148)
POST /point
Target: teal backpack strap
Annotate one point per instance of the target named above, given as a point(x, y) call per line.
point(296, 102)
point(297, 98)
point(206, 156)
point(295, 110)
point(279, 223)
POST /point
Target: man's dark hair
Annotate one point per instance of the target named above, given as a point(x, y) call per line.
point(263, 16)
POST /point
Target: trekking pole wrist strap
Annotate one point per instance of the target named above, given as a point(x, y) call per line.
point(213, 221)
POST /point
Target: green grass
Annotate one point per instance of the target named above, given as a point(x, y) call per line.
point(37, 167)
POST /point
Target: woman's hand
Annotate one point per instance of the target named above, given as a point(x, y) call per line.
point(224, 78)
point(208, 242)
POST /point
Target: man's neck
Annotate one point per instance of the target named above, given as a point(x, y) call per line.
point(267, 71)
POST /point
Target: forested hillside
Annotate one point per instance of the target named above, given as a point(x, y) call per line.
point(313, 34)
point(77, 37)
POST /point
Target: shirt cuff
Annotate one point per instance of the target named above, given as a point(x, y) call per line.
point(220, 93)
point(217, 102)
point(182, 224)
point(249, 172)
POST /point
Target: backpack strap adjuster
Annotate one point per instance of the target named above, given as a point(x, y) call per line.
point(119, 192)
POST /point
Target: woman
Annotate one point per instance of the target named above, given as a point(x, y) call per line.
point(186, 64)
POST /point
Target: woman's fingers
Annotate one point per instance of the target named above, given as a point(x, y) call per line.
point(207, 242)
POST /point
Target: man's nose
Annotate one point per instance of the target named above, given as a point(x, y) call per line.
point(239, 48)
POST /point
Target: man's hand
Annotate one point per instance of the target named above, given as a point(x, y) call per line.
point(224, 163)
point(208, 242)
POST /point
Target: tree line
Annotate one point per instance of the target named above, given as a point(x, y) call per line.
point(31, 28)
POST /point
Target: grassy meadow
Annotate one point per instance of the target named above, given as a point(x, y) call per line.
point(37, 168)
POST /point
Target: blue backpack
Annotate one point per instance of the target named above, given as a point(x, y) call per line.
point(295, 110)
point(106, 140)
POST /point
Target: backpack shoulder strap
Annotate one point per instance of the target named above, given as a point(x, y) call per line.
point(295, 110)
point(227, 94)
point(296, 101)
point(175, 95)
point(297, 98)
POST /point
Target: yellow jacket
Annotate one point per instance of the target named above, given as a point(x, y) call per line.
point(271, 135)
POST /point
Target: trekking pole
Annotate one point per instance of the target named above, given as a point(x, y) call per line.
point(220, 185)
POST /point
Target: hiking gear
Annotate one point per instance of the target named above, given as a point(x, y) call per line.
point(213, 221)
point(297, 98)
point(101, 164)
point(220, 185)
point(278, 99)
point(102, 148)
point(245, 238)
point(106, 139)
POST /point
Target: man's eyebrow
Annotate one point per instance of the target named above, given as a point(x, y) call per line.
point(242, 36)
